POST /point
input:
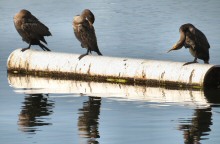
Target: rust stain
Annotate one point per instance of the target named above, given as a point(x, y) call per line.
point(125, 66)
point(76, 67)
point(26, 65)
point(47, 67)
point(89, 69)
point(10, 61)
point(143, 74)
point(162, 75)
point(191, 76)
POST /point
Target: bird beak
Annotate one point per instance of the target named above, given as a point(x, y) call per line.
point(173, 48)
point(169, 50)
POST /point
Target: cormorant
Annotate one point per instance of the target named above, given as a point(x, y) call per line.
point(31, 29)
point(85, 32)
point(195, 40)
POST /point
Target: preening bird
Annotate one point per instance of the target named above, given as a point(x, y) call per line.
point(31, 29)
point(195, 40)
point(85, 32)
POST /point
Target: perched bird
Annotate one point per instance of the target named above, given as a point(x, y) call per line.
point(31, 29)
point(195, 40)
point(85, 32)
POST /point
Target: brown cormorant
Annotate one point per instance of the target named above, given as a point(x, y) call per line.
point(85, 32)
point(31, 29)
point(195, 40)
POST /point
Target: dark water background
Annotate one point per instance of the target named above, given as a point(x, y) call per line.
point(136, 29)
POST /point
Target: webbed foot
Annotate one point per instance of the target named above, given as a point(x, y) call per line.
point(81, 56)
point(24, 49)
point(190, 63)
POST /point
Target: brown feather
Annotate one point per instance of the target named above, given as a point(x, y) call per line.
point(84, 30)
point(195, 40)
point(30, 28)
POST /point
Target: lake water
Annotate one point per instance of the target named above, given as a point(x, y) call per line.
point(49, 111)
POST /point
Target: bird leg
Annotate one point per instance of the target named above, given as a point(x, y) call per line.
point(206, 62)
point(195, 60)
point(24, 49)
point(81, 56)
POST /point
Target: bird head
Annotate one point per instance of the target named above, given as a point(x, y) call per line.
point(88, 15)
point(23, 14)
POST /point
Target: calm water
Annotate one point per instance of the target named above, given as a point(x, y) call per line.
point(44, 111)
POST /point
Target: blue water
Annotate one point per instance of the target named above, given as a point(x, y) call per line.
point(137, 29)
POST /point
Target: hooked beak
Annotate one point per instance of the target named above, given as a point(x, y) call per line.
point(169, 50)
point(173, 48)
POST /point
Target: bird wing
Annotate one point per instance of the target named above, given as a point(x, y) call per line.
point(35, 29)
point(85, 33)
point(90, 37)
point(201, 40)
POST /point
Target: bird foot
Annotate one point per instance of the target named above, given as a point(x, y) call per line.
point(81, 56)
point(24, 49)
point(190, 63)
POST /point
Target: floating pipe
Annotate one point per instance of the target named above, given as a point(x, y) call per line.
point(111, 69)
point(32, 85)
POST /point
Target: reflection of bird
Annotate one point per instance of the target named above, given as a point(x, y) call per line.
point(88, 121)
point(197, 128)
point(195, 40)
point(35, 112)
point(31, 29)
point(85, 32)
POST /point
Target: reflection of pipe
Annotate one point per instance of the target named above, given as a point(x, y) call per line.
point(103, 68)
point(151, 94)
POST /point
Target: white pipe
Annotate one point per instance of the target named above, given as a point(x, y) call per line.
point(111, 68)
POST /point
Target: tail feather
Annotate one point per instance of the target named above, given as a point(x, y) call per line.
point(98, 52)
point(43, 40)
point(44, 47)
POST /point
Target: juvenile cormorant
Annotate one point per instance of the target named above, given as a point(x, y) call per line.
point(195, 40)
point(31, 29)
point(85, 32)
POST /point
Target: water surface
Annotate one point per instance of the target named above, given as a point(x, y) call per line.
point(42, 110)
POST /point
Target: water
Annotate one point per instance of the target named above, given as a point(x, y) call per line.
point(59, 112)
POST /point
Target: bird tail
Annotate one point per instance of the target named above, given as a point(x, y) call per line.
point(98, 52)
point(44, 47)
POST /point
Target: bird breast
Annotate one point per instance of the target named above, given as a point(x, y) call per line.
point(192, 52)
